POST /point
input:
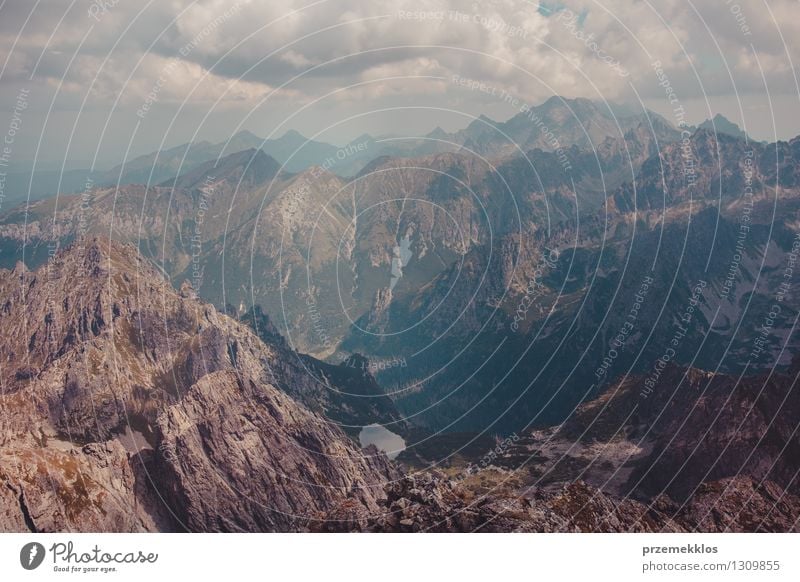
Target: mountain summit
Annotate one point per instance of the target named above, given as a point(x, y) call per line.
point(722, 124)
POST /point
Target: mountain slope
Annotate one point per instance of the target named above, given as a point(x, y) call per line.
point(141, 408)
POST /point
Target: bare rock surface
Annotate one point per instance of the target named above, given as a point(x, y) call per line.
point(99, 352)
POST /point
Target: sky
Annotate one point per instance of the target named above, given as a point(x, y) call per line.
point(94, 82)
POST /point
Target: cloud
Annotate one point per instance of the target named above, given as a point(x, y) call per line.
point(244, 50)
point(503, 40)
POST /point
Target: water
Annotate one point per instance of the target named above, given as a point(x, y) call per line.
point(390, 443)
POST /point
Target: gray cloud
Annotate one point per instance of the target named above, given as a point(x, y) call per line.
point(387, 53)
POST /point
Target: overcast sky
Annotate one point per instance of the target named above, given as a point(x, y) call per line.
point(105, 78)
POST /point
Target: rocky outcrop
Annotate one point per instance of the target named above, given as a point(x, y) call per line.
point(431, 502)
point(741, 504)
point(128, 406)
point(60, 486)
point(692, 428)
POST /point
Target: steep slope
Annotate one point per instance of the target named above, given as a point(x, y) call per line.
point(346, 393)
point(129, 406)
point(694, 441)
point(713, 169)
point(699, 452)
point(317, 251)
point(547, 319)
point(439, 260)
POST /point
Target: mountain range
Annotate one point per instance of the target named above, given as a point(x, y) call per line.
point(584, 295)
point(296, 152)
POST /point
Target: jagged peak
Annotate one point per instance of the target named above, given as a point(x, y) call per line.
point(721, 124)
point(96, 247)
point(96, 258)
point(707, 135)
point(437, 133)
point(570, 102)
point(294, 135)
point(245, 133)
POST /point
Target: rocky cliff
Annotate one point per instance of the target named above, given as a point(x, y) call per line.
point(129, 406)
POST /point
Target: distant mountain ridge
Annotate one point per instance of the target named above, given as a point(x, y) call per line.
point(296, 153)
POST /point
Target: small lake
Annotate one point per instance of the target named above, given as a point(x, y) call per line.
point(390, 443)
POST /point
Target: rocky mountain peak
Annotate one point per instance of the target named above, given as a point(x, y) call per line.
point(721, 124)
point(148, 393)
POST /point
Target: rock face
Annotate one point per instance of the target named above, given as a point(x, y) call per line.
point(57, 487)
point(742, 504)
point(544, 306)
point(128, 406)
point(346, 394)
point(693, 429)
